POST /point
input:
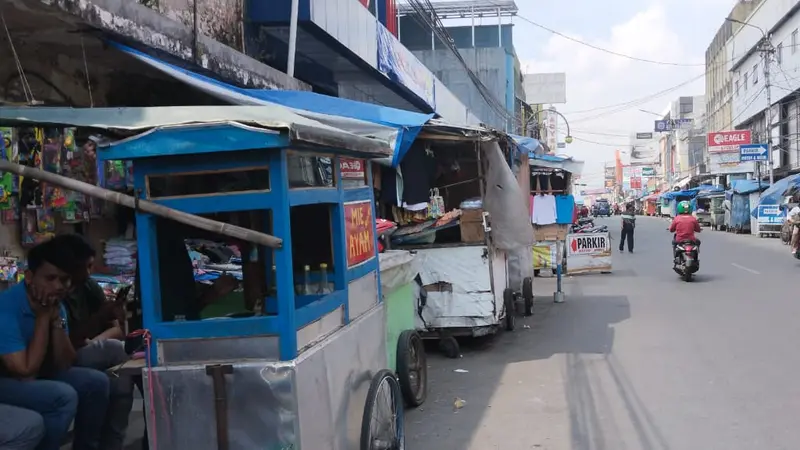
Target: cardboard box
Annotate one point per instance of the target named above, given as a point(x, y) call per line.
point(549, 233)
point(471, 224)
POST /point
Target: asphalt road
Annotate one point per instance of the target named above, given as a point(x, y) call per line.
point(636, 359)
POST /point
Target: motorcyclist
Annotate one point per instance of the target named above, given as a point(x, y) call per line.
point(794, 218)
point(684, 225)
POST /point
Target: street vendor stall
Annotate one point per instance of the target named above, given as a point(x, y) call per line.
point(302, 363)
point(552, 208)
point(703, 207)
point(651, 205)
point(459, 208)
point(740, 200)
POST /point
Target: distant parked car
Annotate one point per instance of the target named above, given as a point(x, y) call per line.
point(603, 208)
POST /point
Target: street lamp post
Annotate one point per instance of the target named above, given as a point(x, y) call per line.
point(535, 117)
point(765, 47)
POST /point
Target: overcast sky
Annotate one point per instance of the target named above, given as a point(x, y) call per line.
point(665, 30)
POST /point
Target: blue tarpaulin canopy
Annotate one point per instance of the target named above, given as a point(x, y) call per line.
point(689, 193)
point(395, 125)
point(745, 187)
point(772, 196)
point(526, 144)
point(529, 145)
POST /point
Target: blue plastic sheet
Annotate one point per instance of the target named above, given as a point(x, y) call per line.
point(407, 124)
point(773, 195)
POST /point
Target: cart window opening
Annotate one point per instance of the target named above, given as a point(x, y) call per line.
point(208, 183)
point(204, 275)
point(354, 172)
point(310, 171)
point(312, 249)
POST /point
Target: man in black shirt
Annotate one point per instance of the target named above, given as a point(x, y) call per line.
point(97, 336)
point(628, 225)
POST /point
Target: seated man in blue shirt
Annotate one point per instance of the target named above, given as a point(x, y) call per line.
point(36, 354)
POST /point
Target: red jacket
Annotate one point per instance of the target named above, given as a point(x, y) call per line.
point(684, 226)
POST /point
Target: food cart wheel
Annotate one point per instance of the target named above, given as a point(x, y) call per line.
point(449, 347)
point(412, 368)
point(508, 302)
point(382, 424)
point(527, 295)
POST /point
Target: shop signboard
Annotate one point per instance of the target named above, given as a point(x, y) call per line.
point(770, 215)
point(352, 169)
point(636, 183)
point(648, 172)
point(400, 65)
point(588, 253)
point(728, 141)
point(728, 163)
point(359, 232)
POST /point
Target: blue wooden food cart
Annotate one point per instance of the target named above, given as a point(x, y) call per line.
point(301, 362)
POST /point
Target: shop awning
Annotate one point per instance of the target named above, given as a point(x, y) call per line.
point(249, 120)
point(556, 162)
point(397, 127)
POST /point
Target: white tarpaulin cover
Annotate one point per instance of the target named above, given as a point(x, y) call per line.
point(511, 225)
point(510, 221)
point(398, 268)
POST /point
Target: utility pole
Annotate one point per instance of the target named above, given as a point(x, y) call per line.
point(767, 50)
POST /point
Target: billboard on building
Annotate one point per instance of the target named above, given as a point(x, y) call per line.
point(728, 141)
point(728, 163)
point(545, 88)
point(644, 148)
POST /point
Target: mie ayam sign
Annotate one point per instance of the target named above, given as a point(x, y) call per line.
point(359, 231)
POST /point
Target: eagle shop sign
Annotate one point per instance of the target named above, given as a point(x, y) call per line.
point(359, 228)
point(588, 253)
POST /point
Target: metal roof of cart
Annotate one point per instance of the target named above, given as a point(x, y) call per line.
point(265, 120)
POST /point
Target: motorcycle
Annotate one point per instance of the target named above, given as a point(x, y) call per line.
point(686, 259)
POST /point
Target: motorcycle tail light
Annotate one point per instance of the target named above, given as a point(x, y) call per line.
point(688, 248)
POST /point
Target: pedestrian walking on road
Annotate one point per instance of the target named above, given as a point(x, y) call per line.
point(628, 225)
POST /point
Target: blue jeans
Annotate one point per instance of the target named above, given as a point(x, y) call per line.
point(102, 355)
point(20, 429)
point(77, 393)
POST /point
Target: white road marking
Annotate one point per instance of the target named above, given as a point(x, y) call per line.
point(746, 269)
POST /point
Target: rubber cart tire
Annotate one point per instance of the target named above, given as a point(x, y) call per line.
point(449, 347)
point(508, 303)
point(412, 368)
point(393, 434)
point(527, 295)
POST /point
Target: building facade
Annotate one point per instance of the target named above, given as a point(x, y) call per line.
point(719, 80)
point(488, 53)
point(780, 20)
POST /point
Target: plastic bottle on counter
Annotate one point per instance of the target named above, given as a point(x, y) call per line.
point(273, 283)
point(307, 290)
point(323, 287)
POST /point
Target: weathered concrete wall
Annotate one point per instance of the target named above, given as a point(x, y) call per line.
point(134, 21)
point(220, 20)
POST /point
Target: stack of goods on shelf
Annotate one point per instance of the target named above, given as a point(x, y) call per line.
point(119, 256)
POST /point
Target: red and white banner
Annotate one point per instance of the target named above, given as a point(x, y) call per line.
point(728, 141)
